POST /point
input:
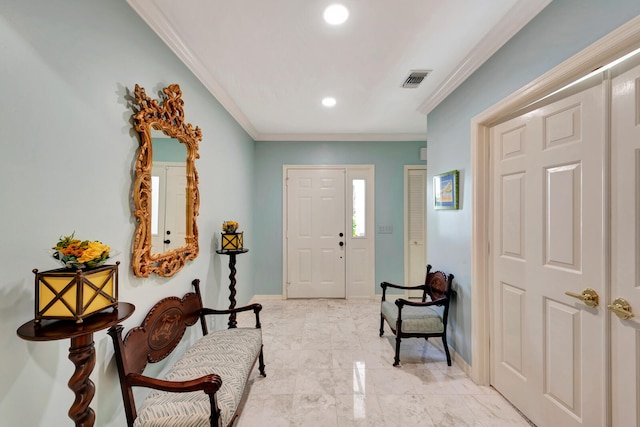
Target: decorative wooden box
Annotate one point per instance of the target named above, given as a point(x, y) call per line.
point(232, 241)
point(75, 294)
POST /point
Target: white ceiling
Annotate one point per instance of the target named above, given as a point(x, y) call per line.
point(270, 62)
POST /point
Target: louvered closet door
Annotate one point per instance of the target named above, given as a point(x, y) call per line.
point(415, 226)
point(548, 349)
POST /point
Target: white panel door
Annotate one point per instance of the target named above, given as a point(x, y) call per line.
point(548, 349)
point(316, 233)
point(625, 244)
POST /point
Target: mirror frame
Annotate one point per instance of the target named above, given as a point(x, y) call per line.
point(167, 116)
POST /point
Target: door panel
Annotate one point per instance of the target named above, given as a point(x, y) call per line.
point(548, 348)
point(513, 322)
point(316, 219)
point(625, 243)
point(513, 209)
point(562, 356)
point(563, 217)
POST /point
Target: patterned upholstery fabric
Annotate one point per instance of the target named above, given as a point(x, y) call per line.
point(414, 319)
point(229, 353)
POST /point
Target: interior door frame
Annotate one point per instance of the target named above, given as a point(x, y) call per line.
point(616, 44)
point(366, 289)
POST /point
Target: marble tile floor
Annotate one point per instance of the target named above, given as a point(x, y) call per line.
point(327, 366)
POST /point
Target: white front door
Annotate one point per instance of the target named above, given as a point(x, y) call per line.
point(549, 349)
point(316, 233)
point(625, 244)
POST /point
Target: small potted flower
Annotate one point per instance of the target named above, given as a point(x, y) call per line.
point(229, 226)
point(84, 286)
point(231, 237)
point(80, 254)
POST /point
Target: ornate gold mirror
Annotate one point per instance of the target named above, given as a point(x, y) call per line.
point(165, 186)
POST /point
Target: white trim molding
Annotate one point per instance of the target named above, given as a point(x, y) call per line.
point(509, 25)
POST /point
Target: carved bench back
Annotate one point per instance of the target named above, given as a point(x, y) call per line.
point(161, 331)
point(438, 285)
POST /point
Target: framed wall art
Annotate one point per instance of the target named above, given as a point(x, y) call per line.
point(445, 190)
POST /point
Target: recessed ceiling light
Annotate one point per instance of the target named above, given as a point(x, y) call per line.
point(328, 101)
point(336, 14)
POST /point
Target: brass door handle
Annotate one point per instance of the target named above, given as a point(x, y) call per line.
point(621, 308)
point(588, 296)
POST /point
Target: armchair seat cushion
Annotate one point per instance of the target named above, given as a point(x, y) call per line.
point(230, 353)
point(419, 320)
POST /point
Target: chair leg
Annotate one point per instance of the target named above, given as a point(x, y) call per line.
point(261, 364)
point(381, 325)
point(396, 359)
point(446, 349)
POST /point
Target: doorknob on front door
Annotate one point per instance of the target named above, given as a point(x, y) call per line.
point(621, 308)
point(588, 296)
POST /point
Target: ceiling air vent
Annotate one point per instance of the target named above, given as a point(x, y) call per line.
point(415, 78)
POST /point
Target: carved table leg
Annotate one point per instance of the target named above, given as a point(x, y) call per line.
point(83, 355)
point(232, 289)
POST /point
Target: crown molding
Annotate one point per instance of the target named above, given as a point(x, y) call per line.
point(159, 23)
point(342, 137)
point(513, 21)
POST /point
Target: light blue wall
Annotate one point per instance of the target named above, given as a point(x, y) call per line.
point(67, 157)
point(389, 159)
point(168, 150)
point(562, 29)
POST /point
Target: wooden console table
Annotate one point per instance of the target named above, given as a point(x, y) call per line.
point(232, 277)
point(82, 352)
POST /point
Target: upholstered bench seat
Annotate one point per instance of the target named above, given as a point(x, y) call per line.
point(415, 319)
point(229, 353)
point(207, 383)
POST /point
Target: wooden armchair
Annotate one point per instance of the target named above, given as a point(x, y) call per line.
point(419, 319)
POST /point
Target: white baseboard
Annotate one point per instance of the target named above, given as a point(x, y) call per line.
point(258, 298)
point(466, 368)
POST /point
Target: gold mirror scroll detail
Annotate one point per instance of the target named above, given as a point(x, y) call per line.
point(166, 115)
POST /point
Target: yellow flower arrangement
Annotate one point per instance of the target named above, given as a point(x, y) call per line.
point(78, 254)
point(229, 226)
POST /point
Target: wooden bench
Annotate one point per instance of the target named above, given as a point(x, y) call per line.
point(206, 385)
